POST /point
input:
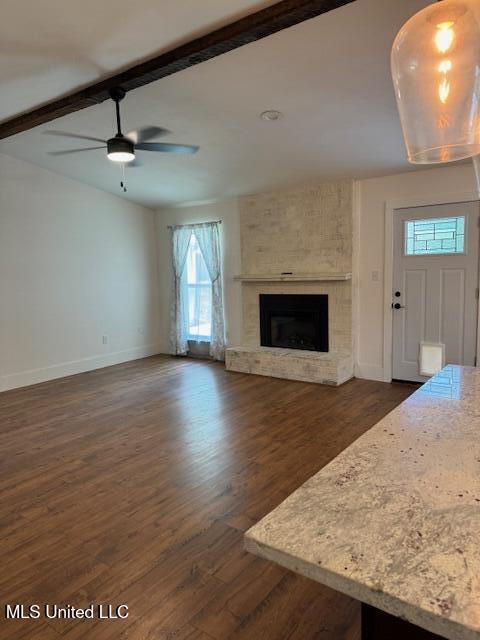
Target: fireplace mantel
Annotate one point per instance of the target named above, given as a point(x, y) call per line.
point(296, 277)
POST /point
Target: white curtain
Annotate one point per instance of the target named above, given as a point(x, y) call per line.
point(208, 237)
point(179, 310)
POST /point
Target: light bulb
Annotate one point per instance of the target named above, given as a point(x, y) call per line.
point(445, 36)
point(444, 91)
point(444, 86)
point(445, 66)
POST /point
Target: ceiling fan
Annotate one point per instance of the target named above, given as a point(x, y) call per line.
point(122, 147)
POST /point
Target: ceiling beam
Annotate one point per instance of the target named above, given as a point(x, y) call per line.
point(253, 27)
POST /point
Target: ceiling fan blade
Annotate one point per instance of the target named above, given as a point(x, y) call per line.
point(167, 147)
point(146, 133)
point(76, 136)
point(68, 151)
point(134, 163)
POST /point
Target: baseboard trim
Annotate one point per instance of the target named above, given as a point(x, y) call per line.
point(370, 372)
point(34, 376)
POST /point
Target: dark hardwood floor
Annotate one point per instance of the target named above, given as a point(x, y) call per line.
point(134, 484)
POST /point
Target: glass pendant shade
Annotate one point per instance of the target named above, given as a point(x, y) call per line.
point(436, 73)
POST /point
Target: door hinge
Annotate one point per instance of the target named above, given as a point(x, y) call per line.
point(475, 361)
point(477, 293)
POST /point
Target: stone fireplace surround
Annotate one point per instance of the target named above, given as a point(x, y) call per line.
point(306, 233)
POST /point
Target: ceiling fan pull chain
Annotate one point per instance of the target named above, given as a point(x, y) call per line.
point(123, 183)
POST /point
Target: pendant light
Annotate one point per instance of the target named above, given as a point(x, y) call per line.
point(436, 74)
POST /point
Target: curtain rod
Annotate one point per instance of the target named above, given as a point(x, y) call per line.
point(172, 226)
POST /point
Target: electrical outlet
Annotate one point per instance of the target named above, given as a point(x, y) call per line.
point(104, 339)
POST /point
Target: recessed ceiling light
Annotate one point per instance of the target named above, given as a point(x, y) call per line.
point(271, 115)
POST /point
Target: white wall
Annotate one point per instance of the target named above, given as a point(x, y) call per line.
point(418, 187)
point(228, 212)
point(76, 264)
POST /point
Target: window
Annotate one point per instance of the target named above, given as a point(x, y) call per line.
point(435, 236)
point(199, 294)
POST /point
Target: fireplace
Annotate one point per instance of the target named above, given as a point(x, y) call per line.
point(294, 322)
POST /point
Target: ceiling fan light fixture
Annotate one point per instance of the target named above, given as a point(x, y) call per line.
point(121, 156)
point(120, 149)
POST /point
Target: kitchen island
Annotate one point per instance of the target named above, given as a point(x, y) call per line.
point(394, 520)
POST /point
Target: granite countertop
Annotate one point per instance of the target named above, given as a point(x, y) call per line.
point(394, 520)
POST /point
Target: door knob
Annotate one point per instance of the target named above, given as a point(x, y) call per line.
point(397, 305)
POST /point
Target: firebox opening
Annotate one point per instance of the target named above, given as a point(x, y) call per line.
point(294, 321)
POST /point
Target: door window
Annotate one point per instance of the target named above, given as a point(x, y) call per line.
point(435, 236)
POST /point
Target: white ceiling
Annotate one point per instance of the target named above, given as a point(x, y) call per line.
point(52, 47)
point(329, 76)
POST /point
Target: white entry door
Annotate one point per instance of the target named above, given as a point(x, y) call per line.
point(435, 282)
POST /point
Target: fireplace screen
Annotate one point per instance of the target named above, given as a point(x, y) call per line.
point(294, 321)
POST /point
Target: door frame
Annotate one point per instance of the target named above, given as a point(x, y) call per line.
point(390, 207)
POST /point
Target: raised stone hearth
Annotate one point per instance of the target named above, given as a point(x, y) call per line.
point(292, 364)
point(297, 242)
